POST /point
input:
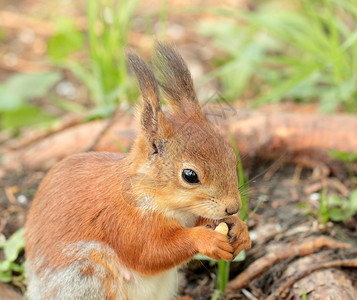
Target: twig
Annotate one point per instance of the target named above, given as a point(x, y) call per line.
point(10, 195)
point(249, 295)
point(351, 263)
point(31, 136)
point(269, 174)
point(304, 248)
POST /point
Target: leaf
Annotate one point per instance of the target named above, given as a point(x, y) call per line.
point(302, 205)
point(17, 267)
point(62, 45)
point(25, 115)
point(239, 257)
point(22, 87)
point(337, 201)
point(344, 156)
point(14, 245)
point(9, 100)
point(338, 215)
point(203, 257)
point(68, 105)
point(5, 277)
point(66, 41)
point(353, 200)
point(101, 112)
point(5, 265)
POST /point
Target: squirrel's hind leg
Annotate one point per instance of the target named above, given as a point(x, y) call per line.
point(93, 274)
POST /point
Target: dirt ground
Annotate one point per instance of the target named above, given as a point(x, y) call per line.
point(279, 222)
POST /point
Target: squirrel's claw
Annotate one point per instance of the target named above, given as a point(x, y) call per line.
point(238, 234)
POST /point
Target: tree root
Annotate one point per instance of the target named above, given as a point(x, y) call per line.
point(351, 263)
point(304, 248)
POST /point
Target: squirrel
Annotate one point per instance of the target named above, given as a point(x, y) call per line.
point(116, 226)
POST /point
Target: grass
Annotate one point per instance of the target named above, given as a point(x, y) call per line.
point(301, 50)
point(336, 208)
point(224, 266)
point(333, 208)
point(348, 159)
point(17, 93)
point(303, 293)
point(341, 209)
point(102, 65)
point(10, 268)
point(323, 210)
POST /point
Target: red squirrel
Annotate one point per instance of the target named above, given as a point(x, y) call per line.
point(113, 226)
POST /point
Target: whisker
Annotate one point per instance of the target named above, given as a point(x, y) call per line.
point(252, 191)
point(189, 207)
point(245, 189)
point(242, 158)
point(196, 204)
point(262, 172)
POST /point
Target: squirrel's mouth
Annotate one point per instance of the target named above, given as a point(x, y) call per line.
point(215, 223)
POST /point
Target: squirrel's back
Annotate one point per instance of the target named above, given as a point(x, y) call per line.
point(71, 200)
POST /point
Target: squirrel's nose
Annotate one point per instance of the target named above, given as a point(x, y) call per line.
point(233, 209)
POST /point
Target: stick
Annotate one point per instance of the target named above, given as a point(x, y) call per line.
point(351, 263)
point(304, 248)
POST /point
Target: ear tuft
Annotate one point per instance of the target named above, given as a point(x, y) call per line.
point(153, 122)
point(176, 81)
point(146, 79)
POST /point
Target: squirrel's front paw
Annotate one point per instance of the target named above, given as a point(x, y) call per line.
point(212, 244)
point(238, 234)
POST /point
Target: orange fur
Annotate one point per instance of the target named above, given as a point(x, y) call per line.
point(139, 205)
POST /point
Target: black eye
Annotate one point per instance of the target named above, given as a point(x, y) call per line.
point(190, 176)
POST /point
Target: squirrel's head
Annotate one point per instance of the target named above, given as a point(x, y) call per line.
point(183, 168)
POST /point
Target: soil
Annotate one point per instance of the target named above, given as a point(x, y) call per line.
point(278, 219)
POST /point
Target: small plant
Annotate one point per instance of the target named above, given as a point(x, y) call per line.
point(323, 211)
point(303, 293)
point(346, 157)
point(349, 159)
point(342, 209)
point(302, 50)
point(224, 266)
point(102, 63)
point(10, 268)
point(16, 93)
point(334, 208)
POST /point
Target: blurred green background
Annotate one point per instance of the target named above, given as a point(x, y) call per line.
point(68, 57)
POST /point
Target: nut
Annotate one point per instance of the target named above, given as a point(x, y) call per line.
point(222, 228)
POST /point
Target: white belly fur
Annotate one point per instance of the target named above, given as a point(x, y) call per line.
point(159, 287)
point(69, 283)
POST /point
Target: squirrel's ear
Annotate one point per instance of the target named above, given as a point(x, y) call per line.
point(153, 122)
point(176, 81)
